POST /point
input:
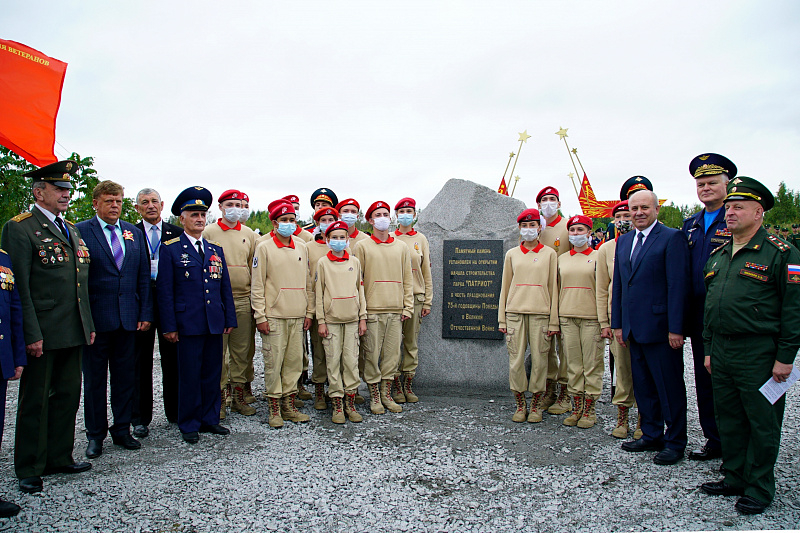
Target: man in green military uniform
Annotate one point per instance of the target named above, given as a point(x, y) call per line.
point(51, 265)
point(796, 235)
point(751, 334)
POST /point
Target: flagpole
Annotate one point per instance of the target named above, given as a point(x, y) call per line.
point(510, 157)
point(575, 151)
point(516, 179)
point(562, 134)
point(571, 177)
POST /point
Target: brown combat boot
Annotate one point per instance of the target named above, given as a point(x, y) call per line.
point(408, 379)
point(637, 434)
point(522, 408)
point(319, 397)
point(621, 431)
point(549, 395)
point(338, 411)
point(302, 393)
point(535, 414)
point(239, 405)
point(289, 411)
point(223, 404)
point(375, 404)
point(275, 419)
point(350, 408)
point(360, 399)
point(589, 417)
point(577, 411)
point(399, 393)
point(248, 394)
point(562, 404)
point(386, 397)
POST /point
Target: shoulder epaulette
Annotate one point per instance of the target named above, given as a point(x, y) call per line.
point(172, 241)
point(779, 243)
point(717, 249)
point(216, 243)
point(22, 216)
point(3, 251)
point(71, 223)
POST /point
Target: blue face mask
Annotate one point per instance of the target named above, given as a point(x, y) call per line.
point(349, 218)
point(286, 228)
point(406, 219)
point(338, 245)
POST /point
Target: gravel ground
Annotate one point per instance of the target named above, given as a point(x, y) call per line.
point(453, 462)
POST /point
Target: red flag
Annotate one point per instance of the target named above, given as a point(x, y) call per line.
point(30, 94)
point(590, 205)
point(503, 189)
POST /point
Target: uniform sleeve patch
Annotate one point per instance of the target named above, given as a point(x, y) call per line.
point(753, 275)
point(255, 261)
point(711, 274)
point(794, 273)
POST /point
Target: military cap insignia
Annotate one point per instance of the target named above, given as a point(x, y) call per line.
point(638, 179)
point(736, 181)
point(703, 157)
point(198, 188)
point(69, 166)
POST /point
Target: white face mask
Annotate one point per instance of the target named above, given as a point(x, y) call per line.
point(244, 214)
point(231, 214)
point(579, 240)
point(548, 209)
point(382, 223)
point(529, 234)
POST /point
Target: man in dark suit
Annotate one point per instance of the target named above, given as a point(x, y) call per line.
point(119, 293)
point(651, 282)
point(155, 231)
point(12, 349)
point(196, 305)
point(51, 270)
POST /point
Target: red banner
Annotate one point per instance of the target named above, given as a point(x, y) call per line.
point(590, 205)
point(503, 189)
point(30, 94)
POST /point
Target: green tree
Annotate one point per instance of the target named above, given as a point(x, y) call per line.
point(260, 220)
point(671, 215)
point(787, 208)
point(84, 181)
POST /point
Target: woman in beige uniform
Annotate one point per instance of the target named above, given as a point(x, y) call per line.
point(406, 210)
point(580, 329)
point(528, 313)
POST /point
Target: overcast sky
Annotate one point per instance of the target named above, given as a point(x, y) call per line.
point(381, 100)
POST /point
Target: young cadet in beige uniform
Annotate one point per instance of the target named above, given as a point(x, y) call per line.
point(577, 311)
point(555, 235)
point(280, 294)
point(528, 313)
point(348, 212)
point(417, 243)
point(317, 248)
point(300, 233)
point(388, 286)
point(623, 393)
point(341, 312)
point(239, 243)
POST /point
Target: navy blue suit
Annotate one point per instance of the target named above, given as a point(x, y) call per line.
point(701, 244)
point(119, 298)
point(195, 300)
point(648, 303)
point(12, 336)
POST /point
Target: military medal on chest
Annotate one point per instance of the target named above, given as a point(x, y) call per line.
point(185, 260)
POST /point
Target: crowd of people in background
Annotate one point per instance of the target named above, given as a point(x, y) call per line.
point(85, 302)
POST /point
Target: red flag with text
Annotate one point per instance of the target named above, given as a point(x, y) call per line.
point(503, 189)
point(30, 94)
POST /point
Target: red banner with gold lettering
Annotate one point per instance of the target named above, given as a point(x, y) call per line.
point(30, 95)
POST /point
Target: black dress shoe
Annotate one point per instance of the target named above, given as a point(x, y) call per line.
point(30, 484)
point(216, 429)
point(705, 453)
point(641, 445)
point(720, 488)
point(94, 449)
point(74, 468)
point(127, 442)
point(141, 431)
point(668, 456)
point(749, 505)
point(8, 509)
point(191, 437)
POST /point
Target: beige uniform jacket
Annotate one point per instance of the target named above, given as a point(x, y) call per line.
point(420, 263)
point(530, 284)
point(239, 246)
point(576, 284)
point(556, 236)
point(281, 286)
point(605, 281)
point(338, 291)
point(388, 283)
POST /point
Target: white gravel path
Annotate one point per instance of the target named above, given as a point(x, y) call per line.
point(453, 462)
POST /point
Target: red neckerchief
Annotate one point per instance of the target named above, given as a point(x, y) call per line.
point(237, 227)
point(390, 240)
point(279, 244)
point(355, 232)
point(556, 221)
point(585, 252)
point(298, 230)
point(410, 233)
point(342, 259)
point(535, 249)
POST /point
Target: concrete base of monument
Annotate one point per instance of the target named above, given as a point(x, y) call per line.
point(464, 210)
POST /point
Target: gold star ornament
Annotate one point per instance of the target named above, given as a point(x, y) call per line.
point(575, 151)
point(512, 154)
point(523, 137)
point(562, 132)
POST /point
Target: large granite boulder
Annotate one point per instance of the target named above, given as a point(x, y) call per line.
point(463, 210)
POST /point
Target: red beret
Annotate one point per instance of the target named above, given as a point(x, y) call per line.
point(349, 201)
point(337, 225)
point(230, 194)
point(580, 219)
point(322, 211)
point(622, 206)
point(529, 215)
point(280, 207)
point(377, 205)
point(406, 202)
point(547, 190)
point(291, 198)
point(245, 198)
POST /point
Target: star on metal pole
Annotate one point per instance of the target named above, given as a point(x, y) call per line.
point(562, 134)
point(516, 179)
point(523, 138)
